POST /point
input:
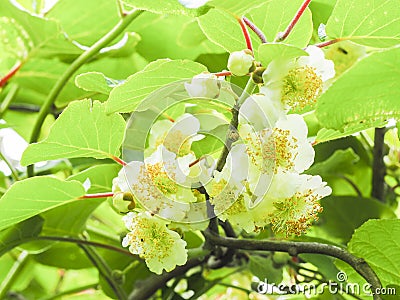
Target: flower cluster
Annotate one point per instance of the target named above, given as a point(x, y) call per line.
point(261, 182)
point(158, 196)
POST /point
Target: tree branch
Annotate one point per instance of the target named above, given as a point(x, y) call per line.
point(231, 135)
point(147, 287)
point(378, 165)
point(295, 248)
point(105, 271)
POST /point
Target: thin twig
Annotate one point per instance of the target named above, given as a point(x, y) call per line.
point(8, 99)
point(99, 195)
point(245, 34)
point(105, 271)
point(81, 60)
point(10, 74)
point(256, 30)
point(13, 273)
point(14, 172)
point(328, 43)
point(283, 35)
point(85, 242)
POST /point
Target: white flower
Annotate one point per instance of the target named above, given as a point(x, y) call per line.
point(227, 190)
point(177, 136)
point(291, 204)
point(240, 63)
point(12, 145)
point(204, 85)
point(193, 3)
point(260, 112)
point(159, 184)
point(293, 215)
point(283, 148)
point(297, 83)
point(149, 237)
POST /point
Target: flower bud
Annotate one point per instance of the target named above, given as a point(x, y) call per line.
point(204, 85)
point(123, 202)
point(241, 63)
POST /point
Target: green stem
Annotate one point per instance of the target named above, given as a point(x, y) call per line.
point(84, 242)
point(13, 274)
point(104, 271)
point(8, 99)
point(81, 60)
point(14, 172)
point(71, 291)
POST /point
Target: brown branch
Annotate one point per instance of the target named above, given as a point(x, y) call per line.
point(296, 248)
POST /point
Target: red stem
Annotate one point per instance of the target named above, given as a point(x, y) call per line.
point(99, 195)
point(283, 35)
point(225, 73)
point(255, 29)
point(10, 74)
point(118, 160)
point(245, 33)
point(328, 43)
point(195, 162)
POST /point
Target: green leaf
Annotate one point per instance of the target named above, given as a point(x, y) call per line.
point(69, 219)
point(82, 130)
point(127, 96)
point(269, 52)
point(222, 29)
point(20, 233)
point(237, 7)
point(36, 195)
point(369, 88)
point(45, 35)
point(377, 241)
point(341, 162)
point(343, 214)
point(368, 22)
point(95, 82)
point(263, 268)
point(85, 21)
point(170, 7)
point(40, 75)
point(274, 16)
point(14, 43)
point(213, 141)
point(100, 177)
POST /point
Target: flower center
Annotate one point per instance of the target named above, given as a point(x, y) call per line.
point(294, 215)
point(161, 179)
point(301, 87)
point(175, 141)
point(271, 149)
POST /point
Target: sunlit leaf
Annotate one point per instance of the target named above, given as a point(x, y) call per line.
point(33, 196)
point(368, 88)
point(377, 241)
point(126, 97)
point(369, 22)
point(83, 130)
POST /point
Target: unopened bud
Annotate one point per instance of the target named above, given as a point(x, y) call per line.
point(241, 63)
